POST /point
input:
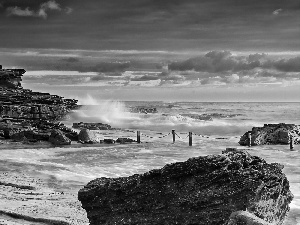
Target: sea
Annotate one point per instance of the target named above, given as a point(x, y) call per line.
point(215, 126)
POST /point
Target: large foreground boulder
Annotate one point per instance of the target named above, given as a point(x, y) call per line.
point(203, 190)
point(272, 134)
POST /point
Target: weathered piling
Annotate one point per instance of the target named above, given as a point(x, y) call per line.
point(291, 142)
point(249, 139)
point(138, 137)
point(173, 134)
point(190, 138)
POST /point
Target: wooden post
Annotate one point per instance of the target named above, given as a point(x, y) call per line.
point(291, 142)
point(190, 138)
point(138, 137)
point(249, 139)
point(173, 133)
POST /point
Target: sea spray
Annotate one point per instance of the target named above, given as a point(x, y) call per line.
point(118, 115)
point(109, 112)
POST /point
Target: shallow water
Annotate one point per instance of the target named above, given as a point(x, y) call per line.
point(71, 168)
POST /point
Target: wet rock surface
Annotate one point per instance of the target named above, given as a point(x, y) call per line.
point(272, 134)
point(203, 190)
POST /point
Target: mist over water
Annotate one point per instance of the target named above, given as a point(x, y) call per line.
point(109, 112)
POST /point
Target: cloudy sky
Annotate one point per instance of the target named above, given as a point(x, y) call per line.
point(197, 50)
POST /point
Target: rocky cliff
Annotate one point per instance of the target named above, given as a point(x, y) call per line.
point(208, 190)
point(25, 113)
point(272, 134)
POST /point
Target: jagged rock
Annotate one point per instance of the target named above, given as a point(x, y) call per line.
point(31, 135)
point(272, 134)
point(10, 131)
point(22, 110)
point(89, 136)
point(245, 218)
point(203, 191)
point(73, 136)
point(57, 137)
point(124, 140)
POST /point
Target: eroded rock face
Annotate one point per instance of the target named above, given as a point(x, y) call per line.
point(272, 134)
point(29, 115)
point(204, 190)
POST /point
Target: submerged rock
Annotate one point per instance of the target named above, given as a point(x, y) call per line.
point(203, 190)
point(272, 134)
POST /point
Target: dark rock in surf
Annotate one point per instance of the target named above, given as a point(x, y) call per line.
point(124, 140)
point(203, 191)
point(272, 134)
point(57, 137)
point(109, 141)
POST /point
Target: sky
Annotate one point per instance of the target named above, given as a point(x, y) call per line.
point(170, 50)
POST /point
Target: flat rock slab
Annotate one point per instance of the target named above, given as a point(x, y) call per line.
point(203, 190)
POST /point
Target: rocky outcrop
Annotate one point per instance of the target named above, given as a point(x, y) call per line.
point(24, 104)
point(203, 190)
point(125, 140)
point(272, 134)
point(57, 137)
point(11, 77)
point(28, 115)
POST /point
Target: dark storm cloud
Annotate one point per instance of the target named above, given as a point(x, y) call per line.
point(150, 24)
point(222, 67)
point(42, 10)
point(285, 65)
point(214, 62)
point(224, 61)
